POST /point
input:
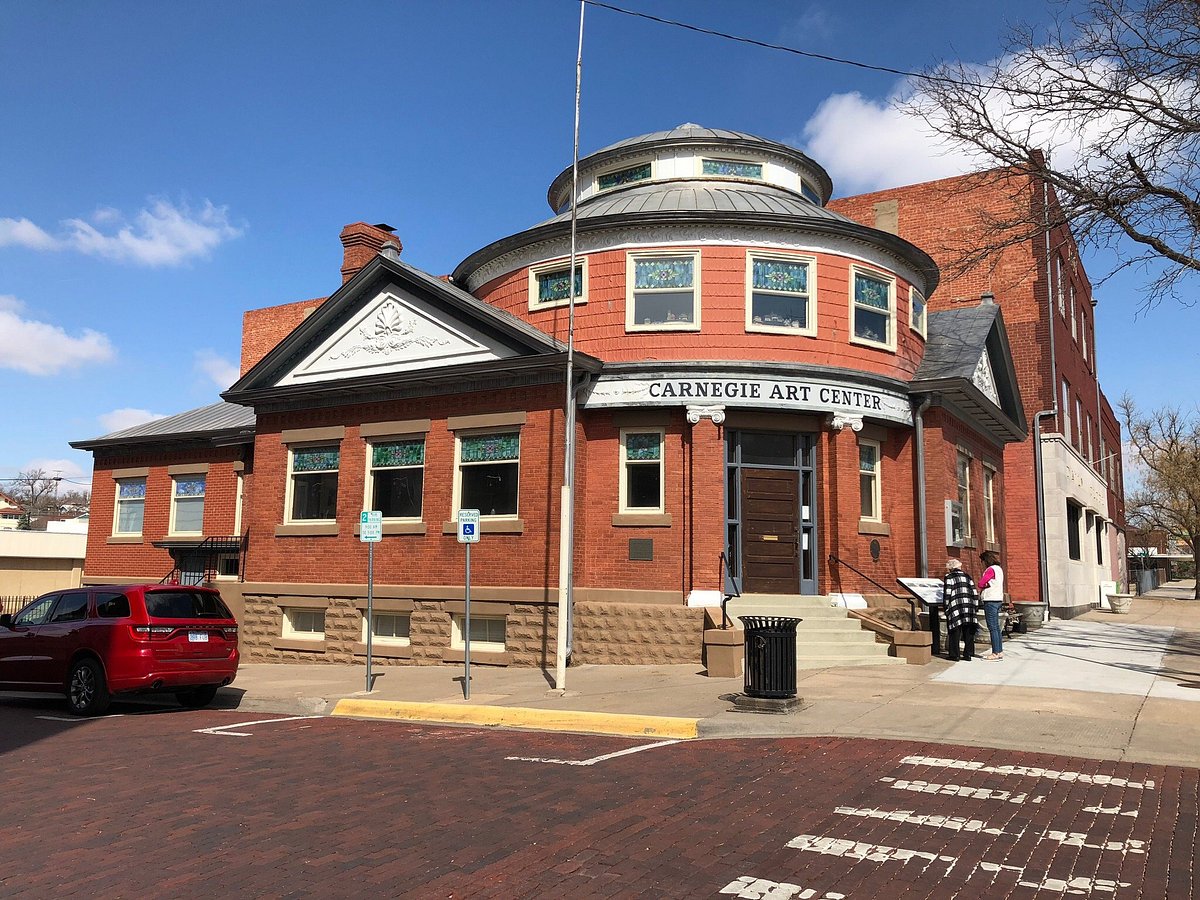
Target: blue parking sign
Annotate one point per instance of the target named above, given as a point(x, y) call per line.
point(468, 526)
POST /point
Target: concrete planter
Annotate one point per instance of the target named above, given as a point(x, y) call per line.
point(1120, 603)
point(1031, 614)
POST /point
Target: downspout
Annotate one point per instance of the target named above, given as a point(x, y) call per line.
point(922, 517)
point(1038, 477)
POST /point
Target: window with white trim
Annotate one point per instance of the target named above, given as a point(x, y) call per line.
point(488, 467)
point(1058, 287)
point(917, 313)
point(873, 309)
point(1074, 323)
point(870, 508)
point(313, 483)
point(396, 476)
point(487, 633)
point(641, 470)
point(187, 504)
point(989, 504)
point(130, 506)
point(1079, 424)
point(779, 294)
point(662, 292)
point(304, 624)
point(550, 283)
point(391, 629)
point(963, 470)
point(1064, 411)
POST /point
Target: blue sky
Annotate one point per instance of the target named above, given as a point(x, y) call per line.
point(167, 166)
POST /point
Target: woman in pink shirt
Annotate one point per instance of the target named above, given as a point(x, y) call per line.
point(991, 587)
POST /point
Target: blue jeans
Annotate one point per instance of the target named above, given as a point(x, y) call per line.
point(991, 614)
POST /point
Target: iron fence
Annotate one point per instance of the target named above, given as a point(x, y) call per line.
point(13, 603)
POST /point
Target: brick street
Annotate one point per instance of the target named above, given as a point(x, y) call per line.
point(145, 805)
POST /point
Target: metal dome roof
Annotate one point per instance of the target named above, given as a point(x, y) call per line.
point(682, 135)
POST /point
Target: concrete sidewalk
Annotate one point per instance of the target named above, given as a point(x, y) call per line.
point(1115, 687)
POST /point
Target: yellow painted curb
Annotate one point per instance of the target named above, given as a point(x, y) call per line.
point(521, 717)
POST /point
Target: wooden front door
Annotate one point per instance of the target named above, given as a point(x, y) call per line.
point(770, 530)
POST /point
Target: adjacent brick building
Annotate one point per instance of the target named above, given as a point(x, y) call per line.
point(1037, 278)
point(761, 387)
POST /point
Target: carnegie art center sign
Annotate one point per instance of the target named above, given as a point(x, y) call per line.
point(808, 395)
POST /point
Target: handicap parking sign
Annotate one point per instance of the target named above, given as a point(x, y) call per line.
point(468, 526)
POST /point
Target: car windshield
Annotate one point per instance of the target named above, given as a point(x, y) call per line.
point(185, 605)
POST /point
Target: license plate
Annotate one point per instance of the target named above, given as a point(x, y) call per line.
point(198, 637)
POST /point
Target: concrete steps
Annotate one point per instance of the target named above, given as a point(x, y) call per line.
point(826, 635)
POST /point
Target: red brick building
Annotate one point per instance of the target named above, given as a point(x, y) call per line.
point(1072, 459)
point(756, 376)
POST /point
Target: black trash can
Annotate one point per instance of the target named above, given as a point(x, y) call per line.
point(770, 656)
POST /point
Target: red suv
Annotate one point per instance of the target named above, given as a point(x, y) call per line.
point(94, 642)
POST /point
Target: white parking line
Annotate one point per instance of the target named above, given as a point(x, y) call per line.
point(960, 790)
point(859, 850)
point(79, 718)
point(1032, 771)
point(750, 888)
point(223, 729)
point(593, 760)
point(908, 817)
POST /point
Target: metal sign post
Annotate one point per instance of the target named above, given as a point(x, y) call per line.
point(370, 532)
point(468, 533)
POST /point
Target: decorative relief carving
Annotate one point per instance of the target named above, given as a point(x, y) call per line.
point(696, 413)
point(838, 421)
point(391, 331)
point(985, 380)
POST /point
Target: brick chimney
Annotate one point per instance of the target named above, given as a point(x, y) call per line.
point(362, 242)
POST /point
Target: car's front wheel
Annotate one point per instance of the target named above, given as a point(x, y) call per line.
point(87, 694)
point(195, 698)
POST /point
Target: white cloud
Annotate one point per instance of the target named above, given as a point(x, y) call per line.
point(23, 233)
point(40, 348)
point(67, 468)
point(120, 419)
point(222, 372)
point(162, 234)
point(867, 145)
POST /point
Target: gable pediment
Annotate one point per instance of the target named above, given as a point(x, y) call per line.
point(395, 331)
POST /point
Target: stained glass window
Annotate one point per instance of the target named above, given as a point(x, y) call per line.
point(490, 447)
point(624, 176)
point(641, 446)
point(917, 316)
point(871, 292)
point(189, 487)
point(397, 478)
point(314, 483)
point(780, 275)
point(315, 459)
point(663, 274)
point(642, 471)
point(664, 292)
point(132, 490)
point(489, 473)
point(868, 480)
point(779, 294)
point(555, 286)
point(131, 504)
point(872, 309)
point(398, 453)
point(188, 505)
point(731, 168)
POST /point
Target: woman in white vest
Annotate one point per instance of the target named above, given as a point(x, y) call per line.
point(991, 586)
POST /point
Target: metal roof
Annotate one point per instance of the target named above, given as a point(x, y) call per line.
point(692, 195)
point(206, 421)
point(957, 338)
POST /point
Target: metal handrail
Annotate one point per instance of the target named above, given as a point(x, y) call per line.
point(912, 604)
point(722, 572)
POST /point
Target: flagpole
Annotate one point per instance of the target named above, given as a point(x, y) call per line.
point(566, 538)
